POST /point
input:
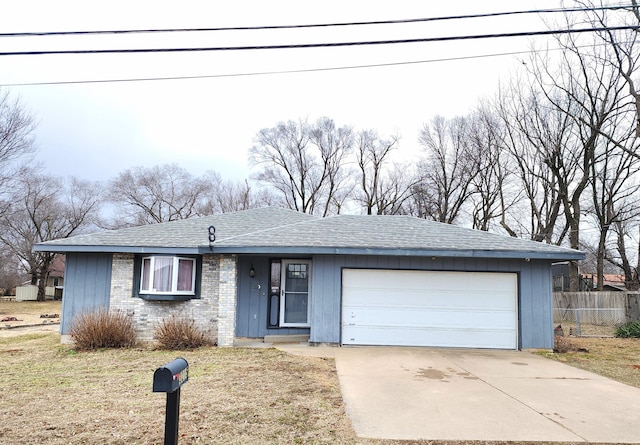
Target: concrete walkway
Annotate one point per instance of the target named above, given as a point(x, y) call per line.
point(445, 394)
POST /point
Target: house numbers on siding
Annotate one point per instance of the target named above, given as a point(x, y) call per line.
point(212, 236)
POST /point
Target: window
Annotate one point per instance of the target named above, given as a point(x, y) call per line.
point(273, 305)
point(166, 275)
point(295, 292)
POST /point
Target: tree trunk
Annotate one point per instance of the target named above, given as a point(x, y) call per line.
point(574, 273)
point(600, 258)
point(42, 289)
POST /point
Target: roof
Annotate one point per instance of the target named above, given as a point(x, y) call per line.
point(57, 267)
point(274, 230)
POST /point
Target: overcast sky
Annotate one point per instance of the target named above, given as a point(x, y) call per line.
point(96, 130)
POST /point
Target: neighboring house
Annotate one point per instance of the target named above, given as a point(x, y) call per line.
point(55, 282)
point(348, 280)
point(53, 286)
point(610, 282)
point(562, 280)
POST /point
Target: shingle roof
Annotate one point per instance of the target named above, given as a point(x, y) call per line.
point(278, 231)
point(186, 233)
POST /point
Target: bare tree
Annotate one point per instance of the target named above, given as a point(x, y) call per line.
point(489, 199)
point(446, 171)
point(622, 54)
point(623, 230)
point(168, 192)
point(383, 186)
point(230, 196)
point(16, 139)
point(11, 271)
point(623, 49)
point(334, 145)
point(45, 208)
point(534, 134)
point(591, 95)
point(156, 194)
point(613, 187)
point(304, 163)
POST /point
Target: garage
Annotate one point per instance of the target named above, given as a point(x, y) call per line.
point(429, 308)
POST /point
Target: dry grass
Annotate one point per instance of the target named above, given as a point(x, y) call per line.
point(616, 358)
point(28, 312)
point(54, 395)
point(51, 394)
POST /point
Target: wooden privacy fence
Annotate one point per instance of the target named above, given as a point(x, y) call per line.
point(594, 313)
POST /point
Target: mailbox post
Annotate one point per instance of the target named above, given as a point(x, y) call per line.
point(169, 378)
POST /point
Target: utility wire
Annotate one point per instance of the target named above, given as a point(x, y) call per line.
point(264, 73)
point(317, 25)
point(316, 45)
point(278, 72)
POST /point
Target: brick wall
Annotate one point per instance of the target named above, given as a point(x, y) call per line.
point(218, 277)
point(228, 298)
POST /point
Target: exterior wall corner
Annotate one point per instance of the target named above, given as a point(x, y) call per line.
point(228, 297)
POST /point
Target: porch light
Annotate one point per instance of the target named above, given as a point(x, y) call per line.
point(252, 272)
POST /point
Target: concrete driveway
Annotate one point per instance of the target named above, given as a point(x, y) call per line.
point(445, 394)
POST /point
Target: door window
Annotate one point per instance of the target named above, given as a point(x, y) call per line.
point(296, 280)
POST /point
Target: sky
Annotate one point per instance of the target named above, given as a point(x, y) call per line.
point(96, 130)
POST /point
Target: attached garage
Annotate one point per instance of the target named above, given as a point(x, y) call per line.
point(429, 308)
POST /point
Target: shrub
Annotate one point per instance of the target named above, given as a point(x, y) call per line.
point(629, 330)
point(180, 333)
point(102, 329)
point(562, 345)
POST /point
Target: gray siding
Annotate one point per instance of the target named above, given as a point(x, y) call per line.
point(251, 314)
point(534, 296)
point(87, 285)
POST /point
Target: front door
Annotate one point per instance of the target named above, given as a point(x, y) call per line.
point(295, 293)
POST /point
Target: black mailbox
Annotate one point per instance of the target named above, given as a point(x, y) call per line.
point(170, 377)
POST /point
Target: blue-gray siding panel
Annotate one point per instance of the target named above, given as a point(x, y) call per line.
point(87, 285)
point(534, 296)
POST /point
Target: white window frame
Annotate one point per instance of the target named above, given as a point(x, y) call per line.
point(174, 278)
point(283, 292)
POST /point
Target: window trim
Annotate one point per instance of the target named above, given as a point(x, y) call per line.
point(283, 292)
point(150, 293)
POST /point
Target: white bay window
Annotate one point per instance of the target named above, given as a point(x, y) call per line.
point(167, 275)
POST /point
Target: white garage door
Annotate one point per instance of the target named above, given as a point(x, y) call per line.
point(425, 308)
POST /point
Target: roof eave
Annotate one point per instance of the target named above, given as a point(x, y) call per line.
point(466, 253)
point(114, 249)
point(316, 250)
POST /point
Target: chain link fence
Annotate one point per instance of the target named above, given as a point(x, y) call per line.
point(589, 322)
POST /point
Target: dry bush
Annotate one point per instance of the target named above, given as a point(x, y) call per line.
point(180, 333)
point(562, 345)
point(102, 329)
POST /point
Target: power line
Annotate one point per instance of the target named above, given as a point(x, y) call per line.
point(317, 25)
point(277, 72)
point(264, 73)
point(316, 45)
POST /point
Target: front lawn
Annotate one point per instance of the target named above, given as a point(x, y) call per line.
point(49, 394)
point(616, 358)
point(53, 395)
